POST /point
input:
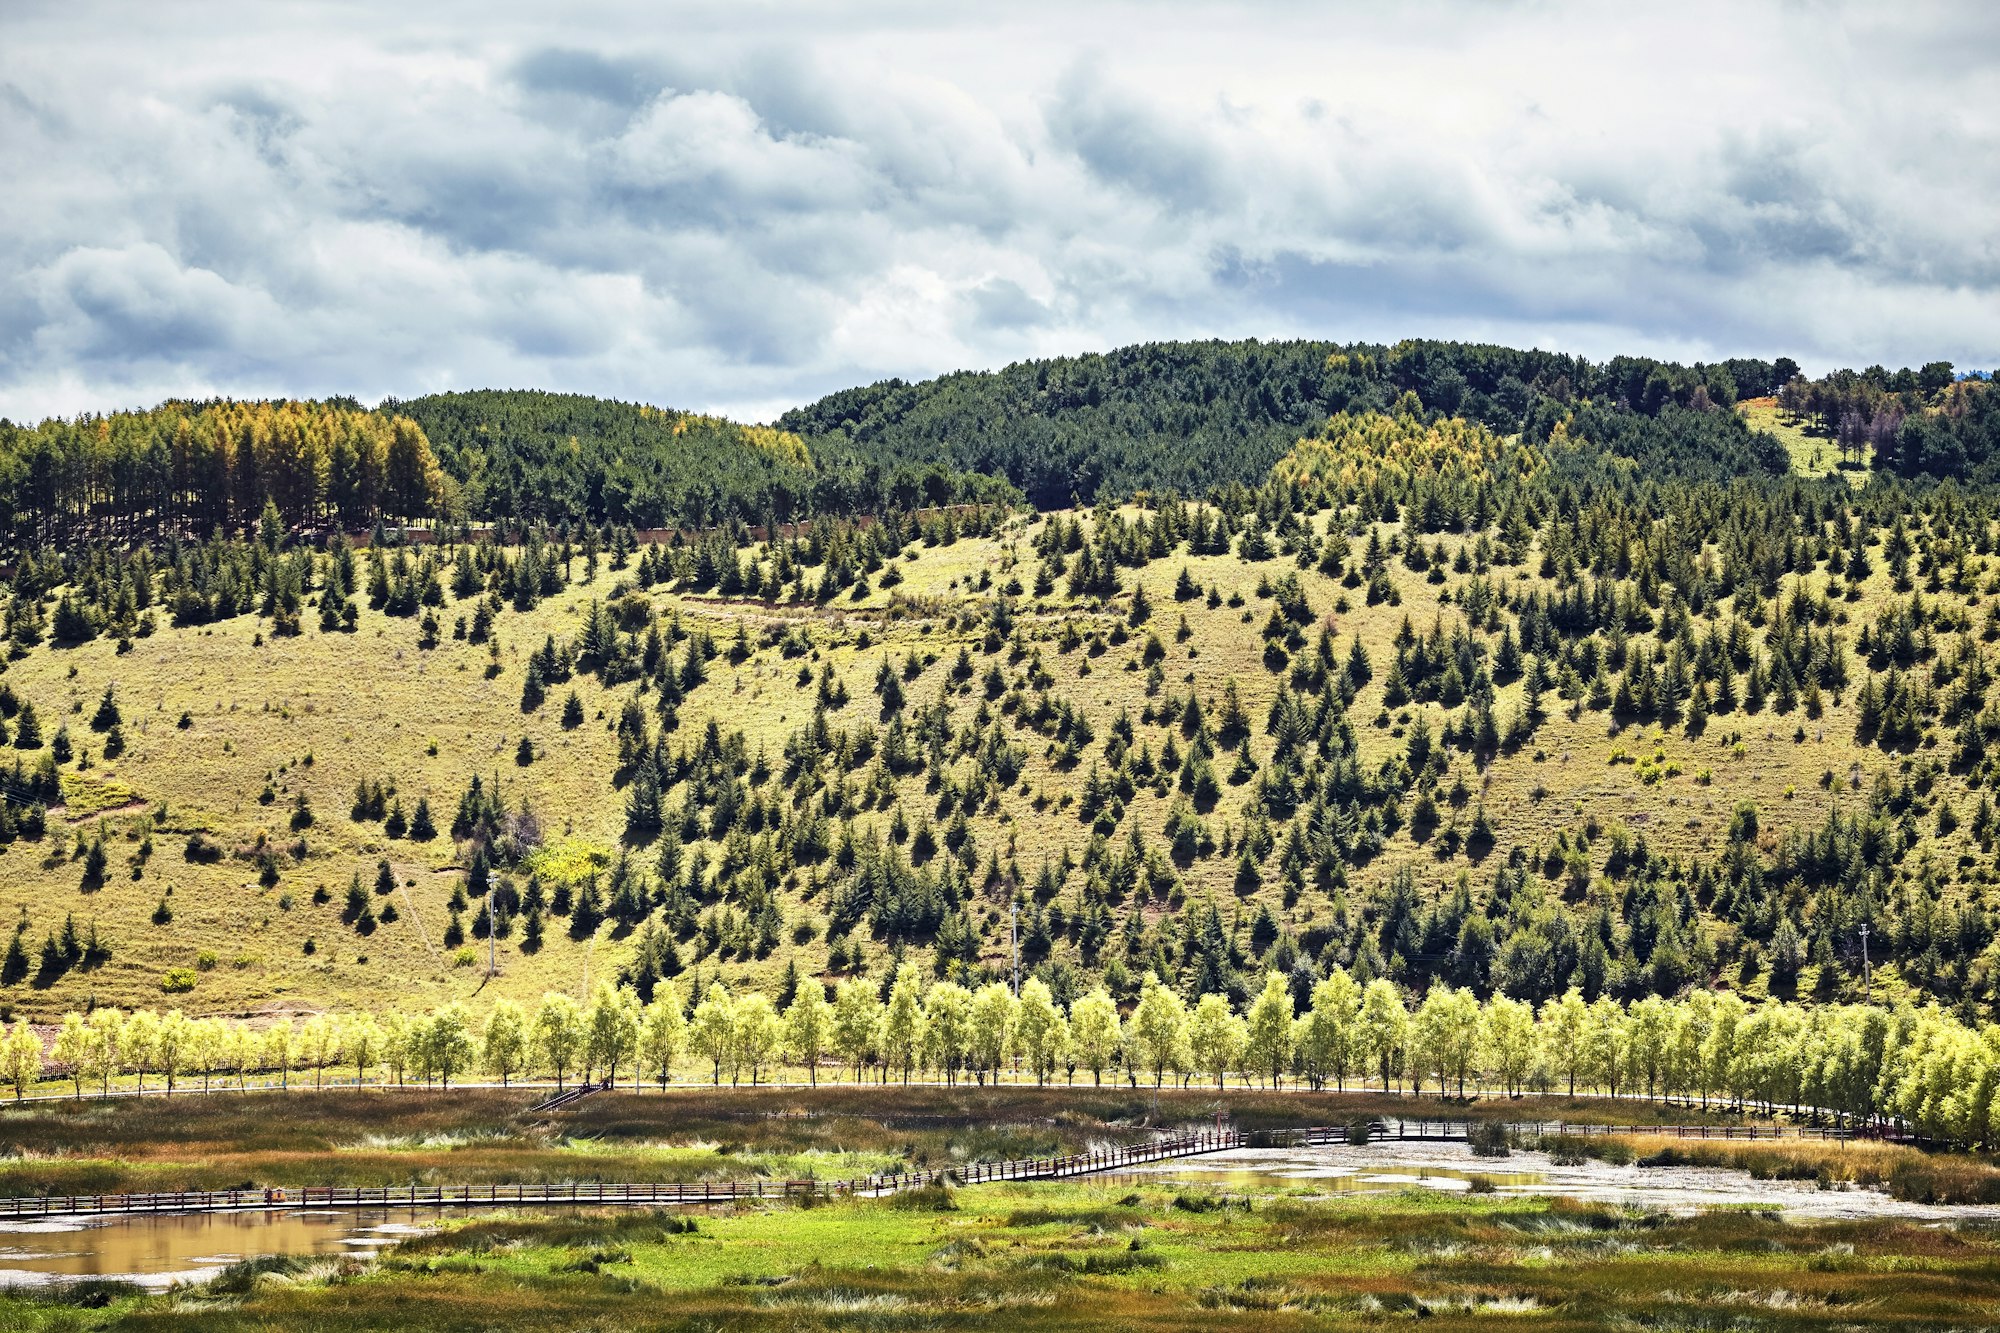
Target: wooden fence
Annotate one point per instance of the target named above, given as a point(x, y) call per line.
point(1456, 1129)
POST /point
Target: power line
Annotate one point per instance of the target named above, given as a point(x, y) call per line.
point(13, 794)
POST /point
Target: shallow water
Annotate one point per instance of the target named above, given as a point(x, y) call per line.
point(1231, 1172)
point(157, 1250)
point(1394, 1165)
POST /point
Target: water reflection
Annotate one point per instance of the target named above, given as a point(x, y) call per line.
point(156, 1250)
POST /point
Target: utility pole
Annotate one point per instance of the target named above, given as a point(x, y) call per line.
point(1867, 973)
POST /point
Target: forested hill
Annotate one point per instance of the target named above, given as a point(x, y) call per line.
point(186, 469)
point(1186, 416)
point(1157, 417)
point(558, 457)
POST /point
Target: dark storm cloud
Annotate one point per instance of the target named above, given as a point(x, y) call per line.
point(738, 206)
point(623, 83)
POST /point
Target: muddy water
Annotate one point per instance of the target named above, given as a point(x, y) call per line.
point(161, 1249)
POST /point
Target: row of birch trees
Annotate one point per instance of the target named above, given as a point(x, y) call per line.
point(1919, 1065)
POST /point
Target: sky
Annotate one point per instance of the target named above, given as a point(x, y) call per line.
point(737, 207)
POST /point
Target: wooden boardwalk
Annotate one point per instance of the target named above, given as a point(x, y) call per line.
point(672, 1194)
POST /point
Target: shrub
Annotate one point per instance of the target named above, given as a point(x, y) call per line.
point(90, 1293)
point(1918, 1180)
point(178, 980)
point(1094, 1262)
point(240, 1278)
point(935, 1197)
point(1575, 1149)
point(1196, 1203)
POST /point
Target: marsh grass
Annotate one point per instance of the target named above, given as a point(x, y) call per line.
point(481, 1136)
point(1072, 1256)
point(936, 1197)
point(1905, 1173)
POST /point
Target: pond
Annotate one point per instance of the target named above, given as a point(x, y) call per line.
point(159, 1249)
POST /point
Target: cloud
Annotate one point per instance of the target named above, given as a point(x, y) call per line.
point(1002, 303)
point(1126, 142)
point(614, 81)
point(709, 156)
point(739, 206)
point(139, 303)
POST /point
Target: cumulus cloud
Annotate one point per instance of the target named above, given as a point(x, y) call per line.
point(739, 206)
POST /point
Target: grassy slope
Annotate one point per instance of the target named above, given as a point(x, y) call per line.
point(369, 705)
point(366, 705)
point(1813, 455)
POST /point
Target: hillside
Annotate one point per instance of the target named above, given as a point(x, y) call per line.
point(1432, 703)
point(1186, 417)
point(566, 458)
point(186, 470)
point(546, 457)
point(1812, 453)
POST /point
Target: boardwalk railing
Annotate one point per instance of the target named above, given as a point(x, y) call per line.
point(576, 1092)
point(1161, 1148)
point(1086, 1163)
point(1456, 1129)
